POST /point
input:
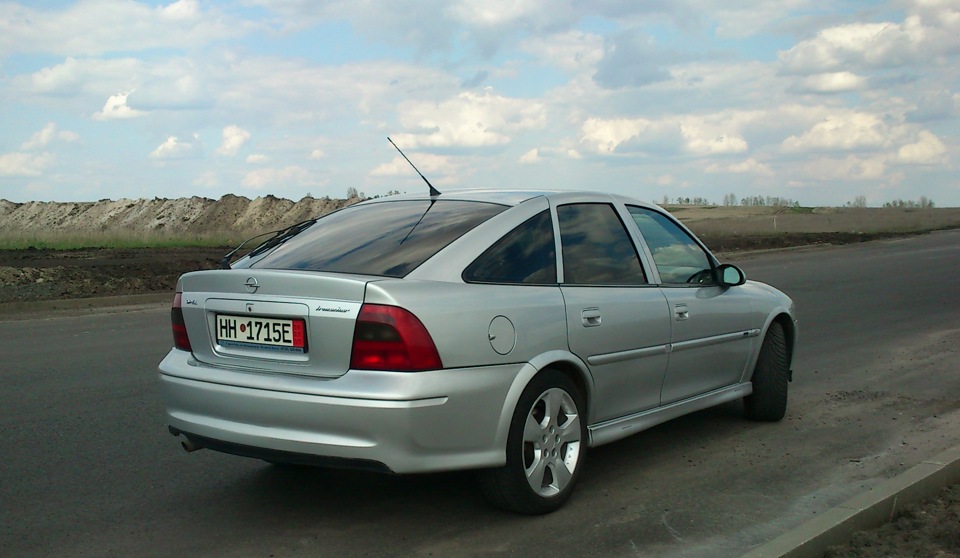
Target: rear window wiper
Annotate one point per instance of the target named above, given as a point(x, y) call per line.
point(278, 238)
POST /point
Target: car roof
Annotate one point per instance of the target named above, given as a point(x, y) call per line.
point(511, 197)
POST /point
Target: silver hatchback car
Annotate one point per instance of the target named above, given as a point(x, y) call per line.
point(506, 331)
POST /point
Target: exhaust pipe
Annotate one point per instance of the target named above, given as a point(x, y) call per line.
point(189, 445)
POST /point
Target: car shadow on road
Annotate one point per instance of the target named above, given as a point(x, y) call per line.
point(302, 489)
point(629, 482)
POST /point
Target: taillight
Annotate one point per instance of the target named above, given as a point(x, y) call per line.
point(391, 338)
point(180, 339)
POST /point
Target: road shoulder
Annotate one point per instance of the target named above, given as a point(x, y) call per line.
point(871, 509)
point(15, 311)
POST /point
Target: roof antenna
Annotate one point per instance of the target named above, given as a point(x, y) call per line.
point(433, 191)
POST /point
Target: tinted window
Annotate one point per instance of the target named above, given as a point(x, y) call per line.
point(526, 255)
point(596, 247)
point(678, 258)
point(390, 238)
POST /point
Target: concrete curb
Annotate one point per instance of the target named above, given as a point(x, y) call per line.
point(873, 508)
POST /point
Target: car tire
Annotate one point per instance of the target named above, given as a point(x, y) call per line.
point(546, 446)
point(768, 402)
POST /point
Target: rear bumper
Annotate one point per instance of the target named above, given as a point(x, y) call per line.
point(405, 421)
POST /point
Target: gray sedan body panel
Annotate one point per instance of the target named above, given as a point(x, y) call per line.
point(712, 337)
point(623, 333)
point(409, 422)
point(281, 294)
point(459, 318)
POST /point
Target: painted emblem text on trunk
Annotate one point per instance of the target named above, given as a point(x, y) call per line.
point(338, 309)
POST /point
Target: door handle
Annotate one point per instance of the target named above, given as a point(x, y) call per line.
point(590, 317)
point(680, 312)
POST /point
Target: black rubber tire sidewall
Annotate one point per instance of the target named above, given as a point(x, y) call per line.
point(507, 487)
point(768, 402)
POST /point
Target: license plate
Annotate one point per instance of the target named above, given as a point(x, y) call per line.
point(262, 333)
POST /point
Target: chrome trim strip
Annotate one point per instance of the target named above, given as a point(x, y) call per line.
point(615, 429)
point(621, 356)
point(715, 340)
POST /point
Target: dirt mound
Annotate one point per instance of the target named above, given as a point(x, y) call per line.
point(197, 216)
point(233, 217)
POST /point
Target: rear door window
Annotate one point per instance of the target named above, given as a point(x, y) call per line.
point(527, 255)
point(389, 238)
point(597, 250)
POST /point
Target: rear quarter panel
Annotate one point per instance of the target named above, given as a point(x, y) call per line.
point(459, 315)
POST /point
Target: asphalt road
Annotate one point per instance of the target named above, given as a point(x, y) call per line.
point(88, 469)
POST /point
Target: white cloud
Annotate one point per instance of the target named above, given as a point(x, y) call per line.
point(707, 140)
point(842, 131)
point(667, 180)
point(180, 10)
point(833, 82)
point(165, 83)
point(178, 84)
point(670, 181)
point(633, 59)
point(699, 135)
point(532, 156)
point(24, 164)
point(468, 120)
point(749, 166)
point(295, 92)
point(116, 108)
point(278, 178)
point(429, 165)
point(173, 148)
point(571, 50)
point(48, 134)
point(747, 18)
point(927, 150)
point(935, 106)
point(874, 96)
point(607, 135)
point(208, 179)
point(929, 31)
point(492, 13)
point(75, 76)
point(233, 139)
point(94, 27)
point(540, 154)
point(852, 167)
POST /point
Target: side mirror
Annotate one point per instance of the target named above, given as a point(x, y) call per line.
point(731, 275)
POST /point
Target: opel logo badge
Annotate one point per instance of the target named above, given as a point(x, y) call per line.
point(251, 284)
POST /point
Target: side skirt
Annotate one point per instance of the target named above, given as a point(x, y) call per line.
point(615, 429)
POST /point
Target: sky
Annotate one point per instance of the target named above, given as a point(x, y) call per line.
point(817, 102)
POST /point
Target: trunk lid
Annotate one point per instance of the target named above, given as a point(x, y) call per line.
point(273, 321)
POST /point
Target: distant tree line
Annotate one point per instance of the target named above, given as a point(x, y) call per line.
point(924, 202)
point(730, 200)
point(859, 201)
point(680, 200)
point(769, 201)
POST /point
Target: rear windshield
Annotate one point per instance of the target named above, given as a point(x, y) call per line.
point(389, 238)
